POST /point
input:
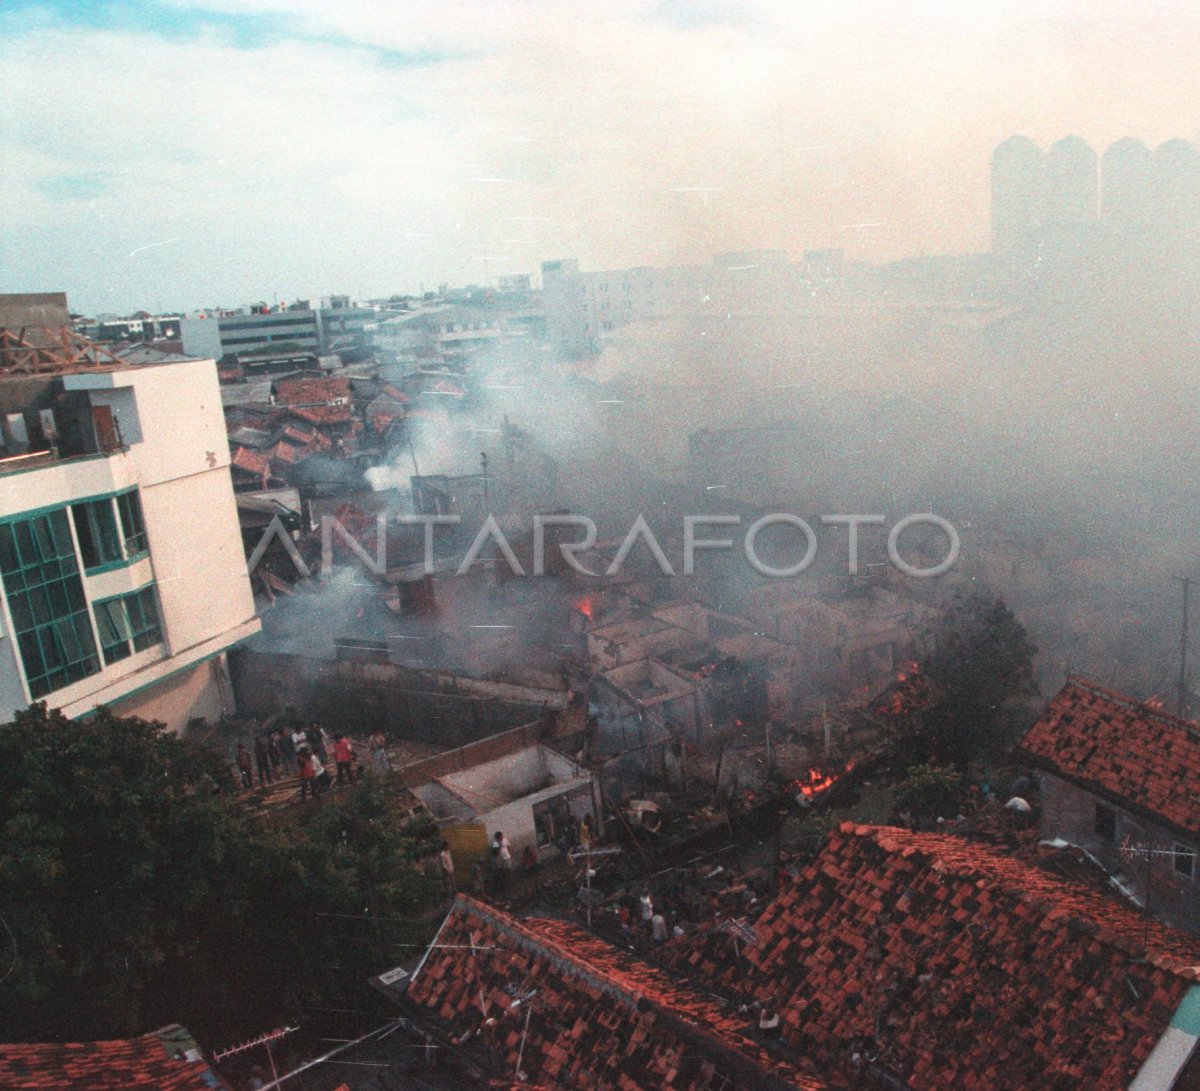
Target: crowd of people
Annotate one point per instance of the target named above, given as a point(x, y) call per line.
point(308, 754)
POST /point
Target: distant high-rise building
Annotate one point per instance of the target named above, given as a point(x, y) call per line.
point(1176, 190)
point(1127, 198)
point(1072, 182)
point(1018, 196)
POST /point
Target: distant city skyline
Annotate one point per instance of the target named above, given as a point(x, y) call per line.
point(173, 155)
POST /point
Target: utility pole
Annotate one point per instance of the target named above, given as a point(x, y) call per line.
point(483, 462)
point(1182, 699)
point(585, 853)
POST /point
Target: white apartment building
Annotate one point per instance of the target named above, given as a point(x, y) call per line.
point(121, 561)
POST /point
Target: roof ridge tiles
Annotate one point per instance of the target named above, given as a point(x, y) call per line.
point(1139, 756)
point(647, 990)
point(1057, 899)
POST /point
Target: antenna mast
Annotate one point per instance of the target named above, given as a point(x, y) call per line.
point(1181, 708)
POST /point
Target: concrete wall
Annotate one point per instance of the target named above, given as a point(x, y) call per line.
point(358, 696)
point(201, 337)
point(201, 691)
point(515, 819)
point(508, 778)
point(1069, 813)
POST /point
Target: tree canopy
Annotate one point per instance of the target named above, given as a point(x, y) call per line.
point(929, 792)
point(135, 893)
point(981, 660)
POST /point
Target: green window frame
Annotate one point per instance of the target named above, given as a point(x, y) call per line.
point(96, 529)
point(111, 530)
point(133, 525)
point(128, 623)
point(51, 626)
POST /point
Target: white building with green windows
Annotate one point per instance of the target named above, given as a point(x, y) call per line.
point(124, 578)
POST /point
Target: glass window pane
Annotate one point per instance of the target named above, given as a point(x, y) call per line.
point(45, 595)
point(40, 603)
point(57, 591)
point(88, 549)
point(8, 551)
point(129, 506)
point(22, 614)
point(118, 617)
point(31, 653)
point(109, 633)
point(74, 586)
point(23, 533)
point(44, 539)
point(52, 652)
point(117, 652)
point(61, 531)
point(64, 629)
point(106, 530)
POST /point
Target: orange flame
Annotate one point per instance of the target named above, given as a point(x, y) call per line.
point(819, 782)
point(586, 607)
point(909, 693)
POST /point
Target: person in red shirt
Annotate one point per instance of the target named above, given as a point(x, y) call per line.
point(304, 762)
point(343, 754)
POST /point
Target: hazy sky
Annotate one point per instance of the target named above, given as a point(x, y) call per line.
point(171, 154)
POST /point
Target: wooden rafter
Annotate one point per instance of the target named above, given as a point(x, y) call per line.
point(53, 349)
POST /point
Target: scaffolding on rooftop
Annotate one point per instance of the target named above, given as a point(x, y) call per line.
point(48, 350)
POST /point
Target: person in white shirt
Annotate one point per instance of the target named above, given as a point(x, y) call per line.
point(446, 867)
point(503, 854)
point(320, 777)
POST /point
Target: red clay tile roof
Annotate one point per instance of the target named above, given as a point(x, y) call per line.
point(296, 434)
point(311, 391)
point(597, 1017)
point(286, 453)
point(322, 414)
point(154, 1061)
point(949, 965)
point(251, 461)
point(1111, 744)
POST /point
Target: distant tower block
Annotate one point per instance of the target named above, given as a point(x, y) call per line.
point(1176, 165)
point(1128, 187)
point(1072, 184)
point(1018, 196)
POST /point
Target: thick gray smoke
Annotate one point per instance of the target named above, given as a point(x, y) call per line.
point(1054, 427)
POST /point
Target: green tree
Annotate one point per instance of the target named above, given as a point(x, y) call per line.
point(138, 894)
point(981, 660)
point(929, 791)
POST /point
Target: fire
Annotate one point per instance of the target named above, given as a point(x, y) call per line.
point(912, 692)
point(819, 782)
point(586, 607)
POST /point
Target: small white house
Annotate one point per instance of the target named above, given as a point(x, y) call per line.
point(535, 796)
